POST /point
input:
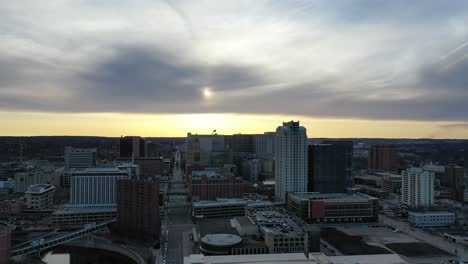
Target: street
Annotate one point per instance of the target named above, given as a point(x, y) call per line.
point(176, 223)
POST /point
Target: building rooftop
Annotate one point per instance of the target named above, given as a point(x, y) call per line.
point(278, 222)
point(232, 201)
point(429, 213)
point(206, 173)
point(296, 258)
point(77, 209)
point(39, 188)
point(221, 239)
point(99, 171)
point(335, 197)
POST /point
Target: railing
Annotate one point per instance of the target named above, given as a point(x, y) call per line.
point(42, 244)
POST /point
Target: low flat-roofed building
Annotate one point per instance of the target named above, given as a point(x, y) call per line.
point(315, 207)
point(284, 232)
point(431, 219)
point(211, 245)
point(227, 208)
point(40, 196)
point(82, 215)
point(295, 258)
point(459, 238)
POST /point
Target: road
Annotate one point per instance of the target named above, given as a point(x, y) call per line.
point(176, 224)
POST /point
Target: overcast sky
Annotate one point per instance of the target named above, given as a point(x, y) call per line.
point(379, 60)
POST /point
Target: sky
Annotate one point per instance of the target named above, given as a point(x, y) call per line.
point(350, 68)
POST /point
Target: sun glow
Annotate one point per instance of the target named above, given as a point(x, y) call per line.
point(207, 93)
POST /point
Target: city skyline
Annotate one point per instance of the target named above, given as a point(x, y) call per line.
point(353, 68)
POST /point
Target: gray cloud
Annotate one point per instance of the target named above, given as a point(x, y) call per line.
point(259, 70)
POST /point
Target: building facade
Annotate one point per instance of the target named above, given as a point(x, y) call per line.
point(210, 185)
point(5, 244)
point(132, 146)
point(456, 181)
point(138, 208)
point(70, 215)
point(25, 179)
point(290, 159)
point(330, 167)
point(227, 208)
point(417, 187)
point(384, 157)
point(95, 187)
point(283, 232)
point(431, 219)
point(76, 158)
point(333, 207)
point(40, 196)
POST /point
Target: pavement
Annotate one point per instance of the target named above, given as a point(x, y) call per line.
point(176, 226)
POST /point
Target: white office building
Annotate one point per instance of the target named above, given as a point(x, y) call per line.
point(80, 158)
point(417, 187)
point(290, 159)
point(40, 196)
point(431, 219)
point(95, 186)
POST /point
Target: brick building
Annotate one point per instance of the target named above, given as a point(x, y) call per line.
point(208, 185)
point(384, 157)
point(138, 209)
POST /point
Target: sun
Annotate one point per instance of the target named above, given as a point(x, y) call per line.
point(207, 93)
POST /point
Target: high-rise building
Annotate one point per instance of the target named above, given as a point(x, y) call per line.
point(290, 159)
point(95, 186)
point(265, 146)
point(132, 146)
point(456, 181)
point(330, 167)
point(205, 150)
point(138, 208)
point(76, 158)
point(384, 157)
point(417, 187)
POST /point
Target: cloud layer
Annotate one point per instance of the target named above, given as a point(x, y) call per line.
point(347, 59)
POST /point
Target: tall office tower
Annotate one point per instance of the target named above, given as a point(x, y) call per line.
point(290, 159)
point(384, 157)
point(138, 208)
point(132, 147)
point(417, 187)
point(76, 158)
point(204, 150)
point(456, 181)
point(330, 167)
point(95, 186)
point(265, 145)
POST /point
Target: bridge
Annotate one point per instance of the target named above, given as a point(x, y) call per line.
point(39, 245)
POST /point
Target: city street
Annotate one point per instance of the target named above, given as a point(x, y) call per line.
point(176, 223)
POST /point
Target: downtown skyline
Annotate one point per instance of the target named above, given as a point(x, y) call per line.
point(164, 68)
